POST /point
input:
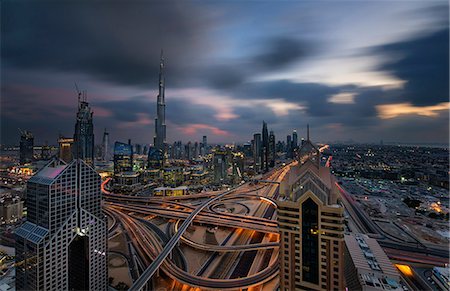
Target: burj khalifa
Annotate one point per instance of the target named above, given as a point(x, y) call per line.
point(160, 120)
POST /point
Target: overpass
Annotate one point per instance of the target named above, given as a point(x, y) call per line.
point(151, 270)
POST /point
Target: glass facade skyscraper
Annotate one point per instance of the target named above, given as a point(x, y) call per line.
point(26, 147)
point(84, 132)
point(123, 157)
point(63, 244)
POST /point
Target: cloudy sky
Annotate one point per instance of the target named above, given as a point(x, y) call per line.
point(360, 70)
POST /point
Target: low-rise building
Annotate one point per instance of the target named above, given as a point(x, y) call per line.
point(367, 266)
point(11, 209)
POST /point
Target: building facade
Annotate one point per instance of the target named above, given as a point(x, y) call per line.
point(63, 243)
point(26, 147)
point(65, 149)
point(265, 148)
point(160, 120)
point(123, 157)
point(105, 146)
point(367, 267)
point(83, 137)
point(257, 150)
point(311, 226)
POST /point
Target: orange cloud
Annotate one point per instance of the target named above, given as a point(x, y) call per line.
point(192, 129)
point(389, 111)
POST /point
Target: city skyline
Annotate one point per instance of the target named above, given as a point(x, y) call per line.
point(349, 81)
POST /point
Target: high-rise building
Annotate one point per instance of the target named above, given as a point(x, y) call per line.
point(145, 150)
point(294, 139)
point(83, 138)
point(123, 157)
point(289, 146)
point(160, 120)
point(257, 152)
point(205, 142)
point(311, 226)
point(65, 148)
point(63, 243)
point(26, 147)
point(367, 266)
point(272, 149)
point(138, 149)
point(265, 148)
point(105, 146)
point(220, 164)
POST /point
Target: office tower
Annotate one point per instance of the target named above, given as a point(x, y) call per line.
point(137, 149)
point(196, 150)
point(257, 152)
point(272, 149)
point(83, 138)
point(145, 150)
point(311, 225)
point(367, 266)
point(26, 147)
point(105, 146)
point(160, 120)
point(123, 157)
point(65, 148)
point(265, 148)
point(294, 139)
point(155, 158)
point(63, 243)
point(205, 143)
point(220, 164)
point(289, 146)
point(247, 148)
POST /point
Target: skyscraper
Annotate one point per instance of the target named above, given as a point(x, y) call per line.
point(84, 132)
point(63, 243)
point(294, 139)
point(265, 148)
point(105, 146)
point(289, 146)
point(123, 157)
point(220, 163)
point(257, 152)
point(160, 120)
point(26, 147)
point(272, 149)
point(311, 226)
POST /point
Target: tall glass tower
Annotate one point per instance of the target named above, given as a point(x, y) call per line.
point(160, 120)
point(84, 132)
point(63, 243)
point(265, 148)
point(26, 147)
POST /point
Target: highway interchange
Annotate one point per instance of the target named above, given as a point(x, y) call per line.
point(248, 256)
point(253, 236)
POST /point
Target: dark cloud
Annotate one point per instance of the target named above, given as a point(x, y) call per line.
point(424, 64)
point(283, 51)
point(128, 110)
point(117, 41)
